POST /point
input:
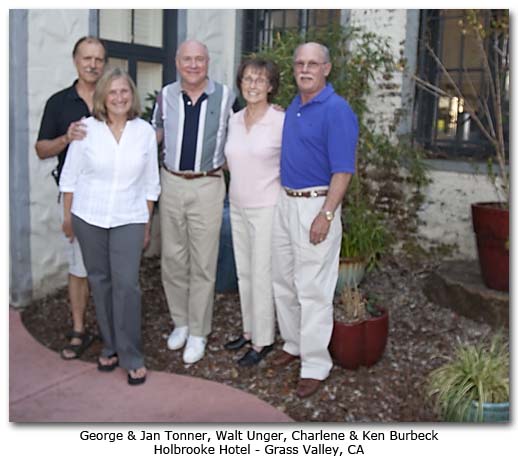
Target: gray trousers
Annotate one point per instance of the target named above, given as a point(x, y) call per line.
point(112, 260)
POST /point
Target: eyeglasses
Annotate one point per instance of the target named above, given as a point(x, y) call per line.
point(259, 82)
point(311, 65)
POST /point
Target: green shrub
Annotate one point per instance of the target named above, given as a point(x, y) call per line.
point(476, 373)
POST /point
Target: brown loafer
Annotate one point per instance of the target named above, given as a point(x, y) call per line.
point(307, 387)
point(283, 359)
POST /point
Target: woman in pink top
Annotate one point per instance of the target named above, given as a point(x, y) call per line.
point(253, 156)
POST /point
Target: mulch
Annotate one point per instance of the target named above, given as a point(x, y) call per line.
point(421, 334)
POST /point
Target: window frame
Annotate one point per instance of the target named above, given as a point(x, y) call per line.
point(134, 52)
point(426, 105)
point(255, 21)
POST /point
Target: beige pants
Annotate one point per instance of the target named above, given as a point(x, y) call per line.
point(304, 281)
point(252, 240)
point(190, 222)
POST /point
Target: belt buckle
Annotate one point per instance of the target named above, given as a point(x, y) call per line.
point(314, 193)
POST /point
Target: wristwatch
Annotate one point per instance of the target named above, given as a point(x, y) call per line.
point(329, 215)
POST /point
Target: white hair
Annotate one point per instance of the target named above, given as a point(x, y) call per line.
point(206, 50)
point(323, 49)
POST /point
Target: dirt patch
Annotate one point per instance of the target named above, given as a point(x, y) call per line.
point(420, 334)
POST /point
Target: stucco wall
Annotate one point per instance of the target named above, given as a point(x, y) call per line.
point(52, 34)
point(217, 29)
point(446, 212)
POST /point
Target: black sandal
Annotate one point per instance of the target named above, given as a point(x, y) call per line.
point(136, 381)
point(77, 349)
point(109, 367)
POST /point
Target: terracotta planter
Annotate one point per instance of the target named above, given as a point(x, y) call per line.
point(350, 273)
point(491, 226)
point(359, 344)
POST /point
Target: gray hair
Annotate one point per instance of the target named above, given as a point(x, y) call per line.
point(203, 45)
point(323, 49)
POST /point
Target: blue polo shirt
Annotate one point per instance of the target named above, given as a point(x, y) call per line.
point(318, 140)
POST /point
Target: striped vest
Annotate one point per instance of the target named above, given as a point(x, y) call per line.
point(169, 115)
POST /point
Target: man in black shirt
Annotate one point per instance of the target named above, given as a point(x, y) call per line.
point(61, 124)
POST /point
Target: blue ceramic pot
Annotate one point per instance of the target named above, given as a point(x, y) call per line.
point(491, 412)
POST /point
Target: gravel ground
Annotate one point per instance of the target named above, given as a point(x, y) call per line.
point(420, 334)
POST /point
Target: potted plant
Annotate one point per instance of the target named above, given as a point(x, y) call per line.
point(473, 385)
point(359, 337)
point(486, 105)
point(364, 238)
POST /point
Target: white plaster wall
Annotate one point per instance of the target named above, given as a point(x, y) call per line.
point(446, 212)
point(217, 29)
point(391, 24)
point(52, 34)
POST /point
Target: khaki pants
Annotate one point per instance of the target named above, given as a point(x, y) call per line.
point(190, 221)
point(304, 281)
point(252, 240)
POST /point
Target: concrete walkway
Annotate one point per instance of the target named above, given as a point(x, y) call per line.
point(44, 388)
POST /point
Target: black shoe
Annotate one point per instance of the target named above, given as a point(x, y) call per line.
point(252, 357)
point(234, 345)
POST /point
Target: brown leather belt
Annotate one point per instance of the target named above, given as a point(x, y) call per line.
point(306, 193)
point(192, 175)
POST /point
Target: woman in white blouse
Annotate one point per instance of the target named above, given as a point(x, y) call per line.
point(110, 183)
point(253, 151)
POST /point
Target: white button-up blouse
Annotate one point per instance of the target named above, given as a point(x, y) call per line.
point(111, 181)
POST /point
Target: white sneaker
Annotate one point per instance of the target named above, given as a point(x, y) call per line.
point(194, 349)
point(177, 338)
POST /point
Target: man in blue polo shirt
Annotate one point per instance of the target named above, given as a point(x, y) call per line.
point(317, 162)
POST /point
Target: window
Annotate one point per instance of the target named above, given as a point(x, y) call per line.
point(260, 26)
point(143, 43)
point(442, 124)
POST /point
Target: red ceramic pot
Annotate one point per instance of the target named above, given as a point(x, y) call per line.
point(491, 226)
point(361, 343)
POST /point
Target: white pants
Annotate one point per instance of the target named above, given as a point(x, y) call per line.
point(191, 212)
point(304, 281)
point(76, 265)
point(252, 240)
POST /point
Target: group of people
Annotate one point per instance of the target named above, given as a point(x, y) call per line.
point(289, 172)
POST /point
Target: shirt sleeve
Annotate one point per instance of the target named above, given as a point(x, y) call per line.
point(73, 166)
point(342, 137)
point(156, 120)
point(152, 178)
point(49, 125)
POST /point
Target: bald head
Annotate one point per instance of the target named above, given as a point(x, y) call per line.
point(320, 49)
point(311, 65)
point(189, 46)
point(192, 63)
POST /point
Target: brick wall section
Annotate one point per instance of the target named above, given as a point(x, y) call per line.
point(388, 97)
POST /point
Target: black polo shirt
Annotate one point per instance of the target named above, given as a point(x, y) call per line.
point(61, 109)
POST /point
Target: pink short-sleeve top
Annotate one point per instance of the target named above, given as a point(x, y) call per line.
point(253, 159)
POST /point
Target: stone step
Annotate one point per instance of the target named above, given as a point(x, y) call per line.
point(458, 285)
